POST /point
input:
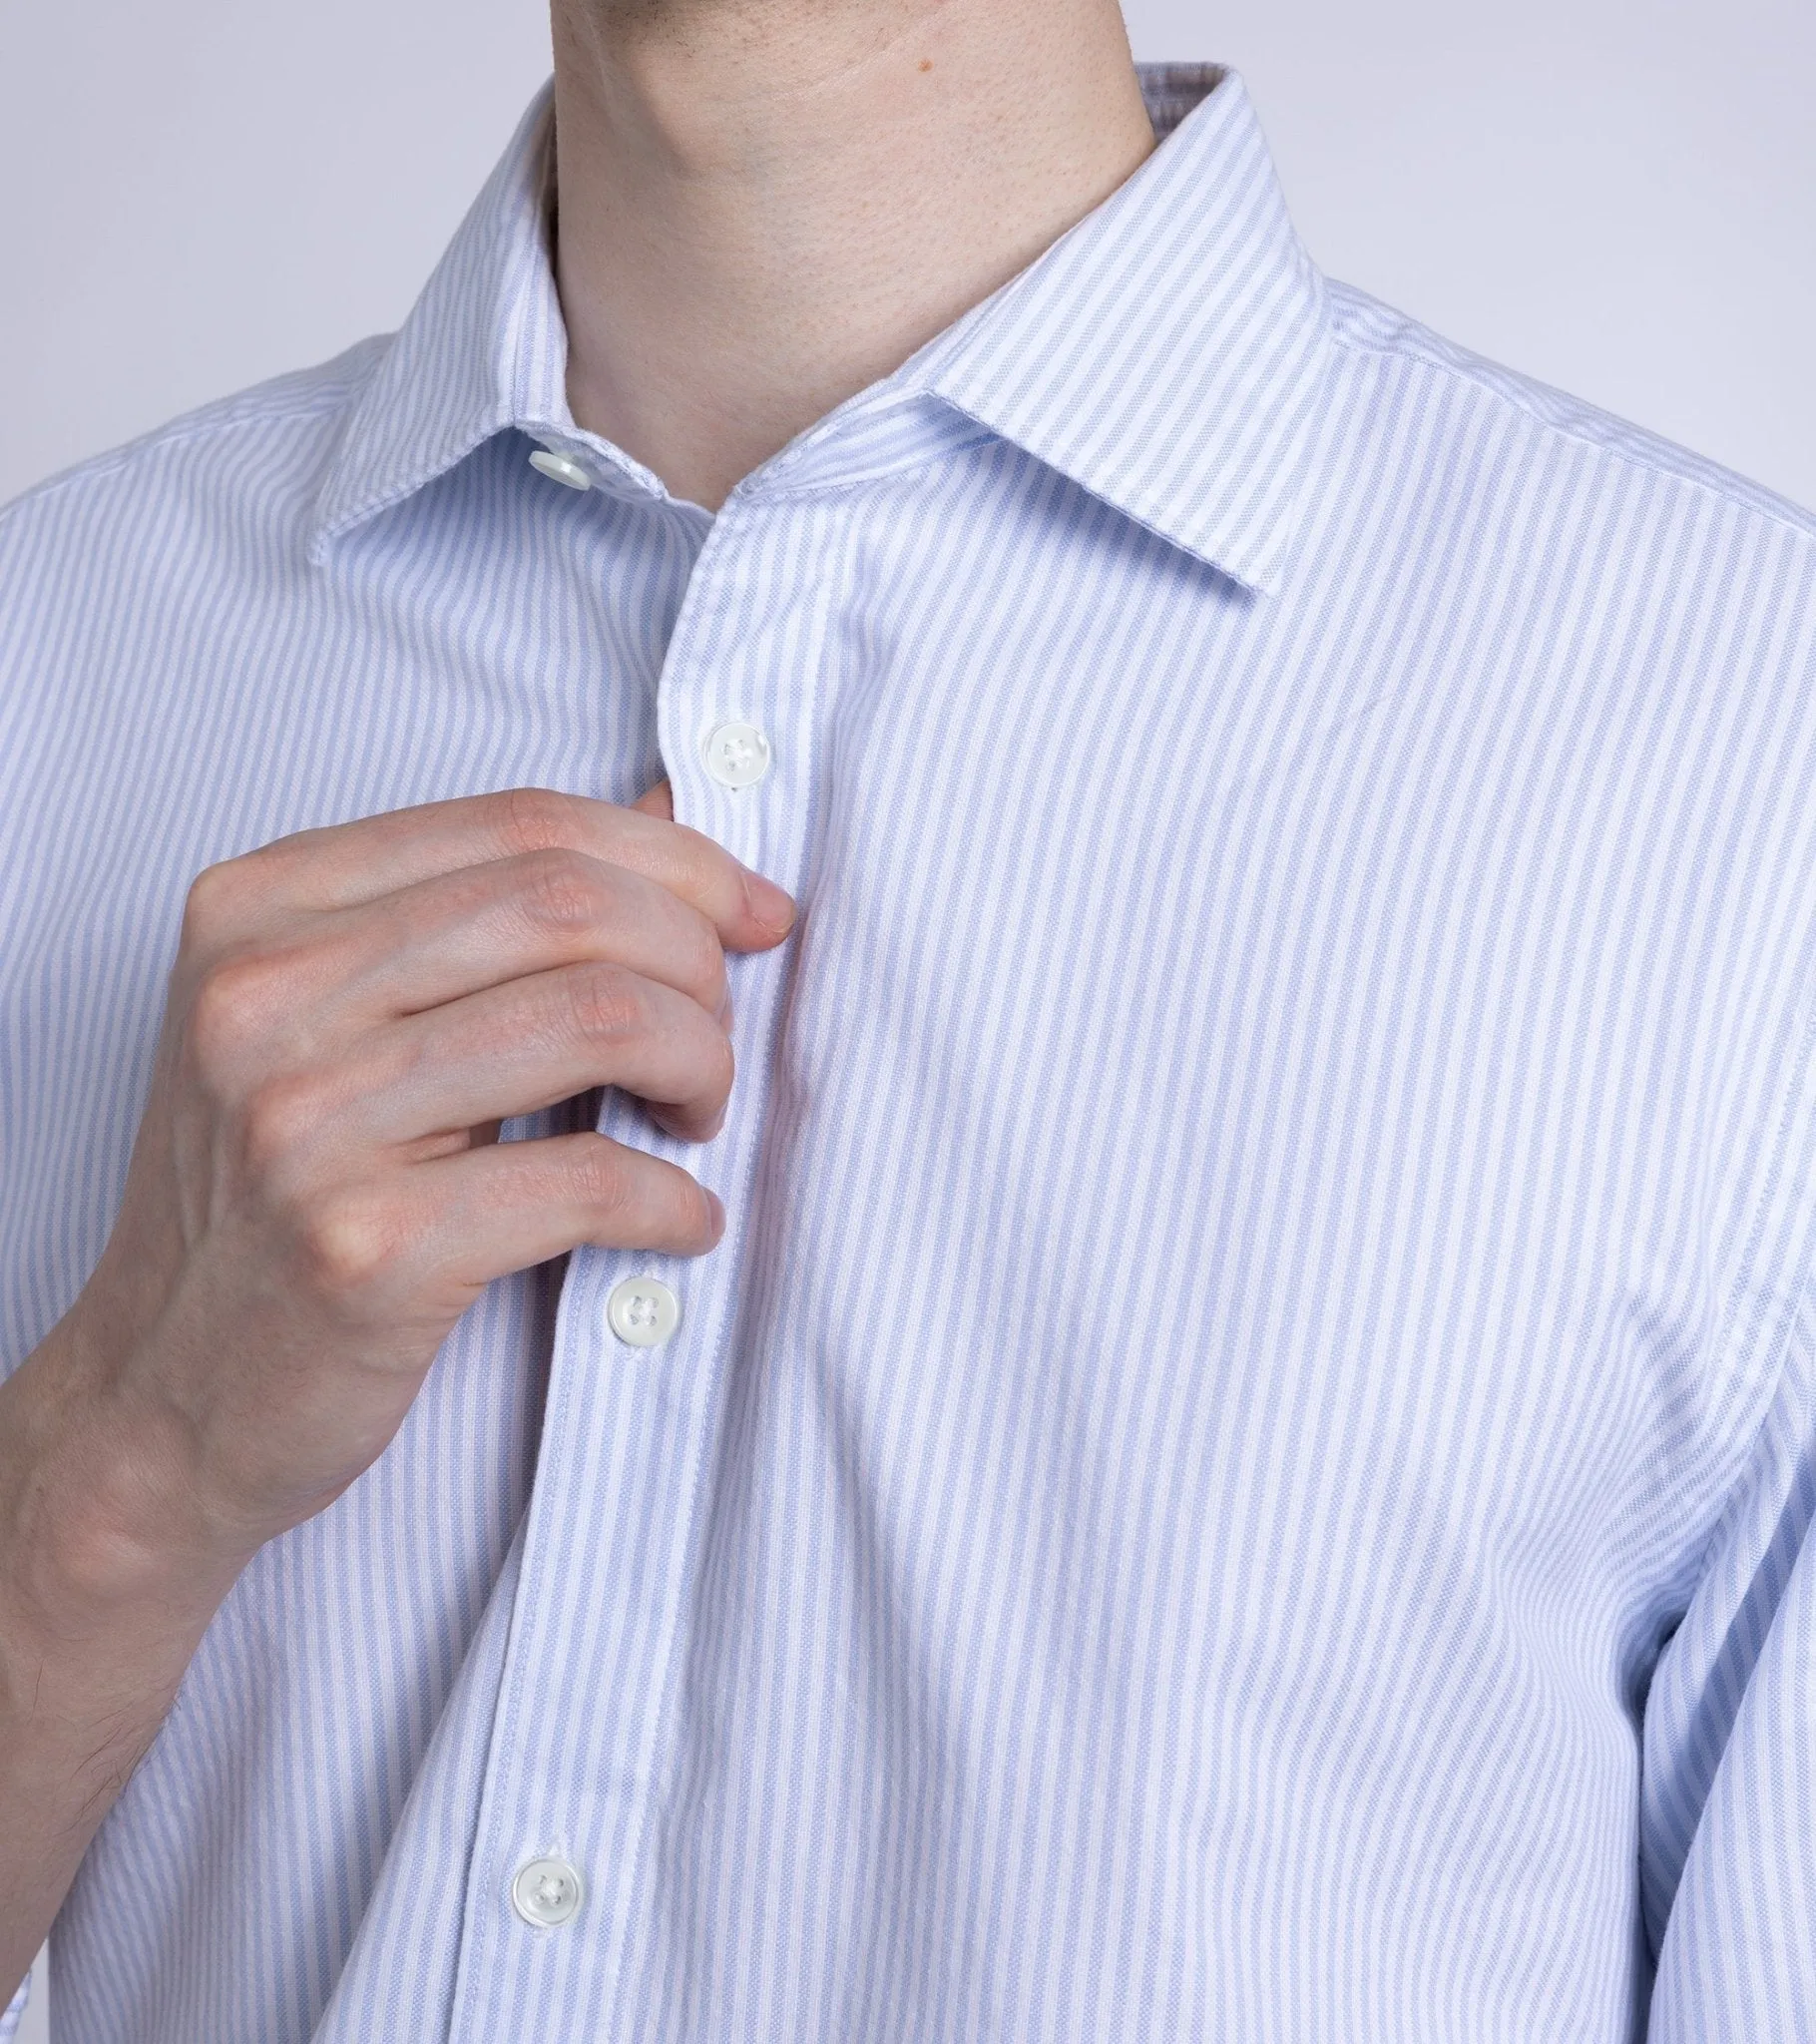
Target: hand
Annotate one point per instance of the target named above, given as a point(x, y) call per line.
point(316, 1193)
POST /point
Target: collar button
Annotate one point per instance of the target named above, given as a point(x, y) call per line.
point(560, 468)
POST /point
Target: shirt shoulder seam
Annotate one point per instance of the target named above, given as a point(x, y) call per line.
point(1410, 339)
point(312, 394)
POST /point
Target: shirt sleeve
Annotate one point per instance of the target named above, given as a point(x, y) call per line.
point(1727, 1844)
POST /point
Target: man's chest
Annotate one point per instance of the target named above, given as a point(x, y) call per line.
point(1174, 1015)
point(1235, 1188)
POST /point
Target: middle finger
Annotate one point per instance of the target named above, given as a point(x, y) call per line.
point(480, 926)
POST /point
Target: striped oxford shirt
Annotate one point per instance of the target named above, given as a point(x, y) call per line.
point(1244, 1467)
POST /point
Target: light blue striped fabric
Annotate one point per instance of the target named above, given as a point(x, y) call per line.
point(1244, 1468)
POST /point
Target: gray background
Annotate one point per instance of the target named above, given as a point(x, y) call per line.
point(1616, 195)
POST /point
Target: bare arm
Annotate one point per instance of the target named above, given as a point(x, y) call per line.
point(315, 1196)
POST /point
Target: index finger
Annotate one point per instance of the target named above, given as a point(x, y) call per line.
point(342, 865)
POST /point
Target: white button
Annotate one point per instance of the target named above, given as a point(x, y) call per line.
point(559, 469)
point(547, 1893)
point(642, 1311)
point(736, 755)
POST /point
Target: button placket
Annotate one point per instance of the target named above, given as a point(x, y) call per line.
point(635, 1390)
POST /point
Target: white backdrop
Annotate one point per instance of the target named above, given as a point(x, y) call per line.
point(1617, 196)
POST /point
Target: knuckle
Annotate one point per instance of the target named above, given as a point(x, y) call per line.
point(347, 1241)
point(534, 819)
point(559, 891)
point(234, 1007)
point(602, 1183)
point(705, 966)
point(605, 1003)
point(277, 1118)
point(723, 1063)
point(216, 903)
point(707, 868)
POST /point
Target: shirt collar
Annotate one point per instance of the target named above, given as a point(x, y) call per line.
point(1166, 353)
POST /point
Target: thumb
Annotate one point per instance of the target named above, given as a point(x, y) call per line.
point(656, 802)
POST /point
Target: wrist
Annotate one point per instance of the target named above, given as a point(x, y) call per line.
point(93, 1535)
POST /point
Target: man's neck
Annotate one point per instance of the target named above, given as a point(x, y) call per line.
point(767, 204)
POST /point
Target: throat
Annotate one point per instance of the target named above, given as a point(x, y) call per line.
point(764, 208)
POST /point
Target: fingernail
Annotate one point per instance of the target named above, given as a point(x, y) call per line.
point(716, 1206)
point(768, 904)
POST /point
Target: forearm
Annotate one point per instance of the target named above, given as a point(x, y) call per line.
point(99, 1617)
